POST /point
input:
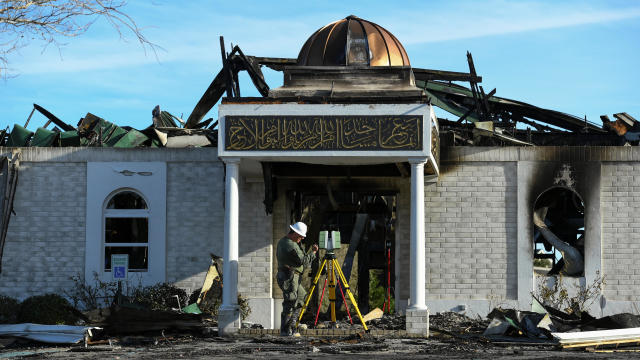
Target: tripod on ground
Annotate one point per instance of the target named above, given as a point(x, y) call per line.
point(333, 267)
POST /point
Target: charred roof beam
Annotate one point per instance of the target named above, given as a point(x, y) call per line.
point(428, 74)
point(227, 80)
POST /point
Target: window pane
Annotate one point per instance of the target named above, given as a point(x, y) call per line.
point(126, 230)
point(127, 200)
point(138, 256)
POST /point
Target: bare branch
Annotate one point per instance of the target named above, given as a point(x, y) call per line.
point(22, 21)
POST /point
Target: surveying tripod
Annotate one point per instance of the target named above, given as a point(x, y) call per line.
point(333, 267)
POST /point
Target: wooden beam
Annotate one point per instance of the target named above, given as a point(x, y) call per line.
point(428, 74)
point(403, 170)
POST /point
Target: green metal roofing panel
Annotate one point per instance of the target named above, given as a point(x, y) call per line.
point(44, 137)
point(131, 139)
point(69, 138)
point(19, 136)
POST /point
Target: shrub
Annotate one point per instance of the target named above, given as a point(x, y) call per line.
point(160, 296)
point(9, 308)
point(559, 296)
point(50, 309)
point(378, 291)
point(91, 297)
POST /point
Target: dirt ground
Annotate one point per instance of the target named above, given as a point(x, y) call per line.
point(274, 347)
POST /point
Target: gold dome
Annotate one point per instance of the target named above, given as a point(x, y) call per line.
point(352, 42)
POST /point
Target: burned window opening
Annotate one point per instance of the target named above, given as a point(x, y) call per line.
point(558, 235)
point(126, 230)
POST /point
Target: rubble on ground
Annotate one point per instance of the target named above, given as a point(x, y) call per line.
point(388, 322)
point(453, 322)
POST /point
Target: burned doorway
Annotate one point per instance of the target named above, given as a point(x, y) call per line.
point(366, 221)
point(559, 233)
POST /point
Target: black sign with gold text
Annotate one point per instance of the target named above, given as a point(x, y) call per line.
point(352, 132)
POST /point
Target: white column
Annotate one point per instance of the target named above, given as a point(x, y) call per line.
point(418, 267)
point(230, 256)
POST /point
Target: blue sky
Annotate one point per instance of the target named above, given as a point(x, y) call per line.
point(572, 56)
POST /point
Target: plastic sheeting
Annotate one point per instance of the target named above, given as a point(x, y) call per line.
point(53, 334)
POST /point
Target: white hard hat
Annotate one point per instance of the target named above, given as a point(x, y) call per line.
point(300, 228)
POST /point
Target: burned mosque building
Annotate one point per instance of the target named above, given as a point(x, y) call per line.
point(457, 214)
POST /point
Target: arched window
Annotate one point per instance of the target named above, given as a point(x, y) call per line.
point(126, 230)
point(558, 235)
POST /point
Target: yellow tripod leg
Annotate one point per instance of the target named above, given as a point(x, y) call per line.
point(346, 288)
point(313, 287)
point(332, 289)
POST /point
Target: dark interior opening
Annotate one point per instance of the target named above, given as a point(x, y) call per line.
point(558, 235)
point(366, 221)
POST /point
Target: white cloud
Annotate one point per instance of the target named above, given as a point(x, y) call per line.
point(189, 33)
point(480, 19)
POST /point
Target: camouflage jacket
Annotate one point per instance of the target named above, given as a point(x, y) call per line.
point(291, 256)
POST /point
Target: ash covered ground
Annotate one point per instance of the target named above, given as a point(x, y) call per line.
point(453, 336)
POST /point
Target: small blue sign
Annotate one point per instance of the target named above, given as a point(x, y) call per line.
point(119, 272)
point(119, 266)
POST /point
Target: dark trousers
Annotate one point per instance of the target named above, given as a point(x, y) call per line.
point(293, 295)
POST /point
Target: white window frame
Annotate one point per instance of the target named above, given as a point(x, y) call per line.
point(128, 214)
point(105, 180)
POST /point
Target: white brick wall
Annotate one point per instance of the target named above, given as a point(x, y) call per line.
point(254, 243)
point(46, 238)
point(620, 205)
point(195, 228)
point(49, 226)
point(470, 223)
point(471, 233)
point(195, 220)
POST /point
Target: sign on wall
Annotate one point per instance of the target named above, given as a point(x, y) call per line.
point(353, 132)
point(119, 266)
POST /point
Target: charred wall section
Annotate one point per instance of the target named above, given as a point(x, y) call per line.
point(539, 169)
point(536, 178)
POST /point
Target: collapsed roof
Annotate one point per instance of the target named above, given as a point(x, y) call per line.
point(94, 131)
point(351, 60)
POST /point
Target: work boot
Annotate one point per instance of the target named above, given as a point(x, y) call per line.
point(285, 331)
point(285, 326)
point(292, 322)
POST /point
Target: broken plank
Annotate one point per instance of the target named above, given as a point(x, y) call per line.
point(599, 337)
point(611, 350)
point(600, 343)
point(373, 314)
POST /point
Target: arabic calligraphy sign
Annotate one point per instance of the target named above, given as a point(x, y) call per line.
point(353, 132)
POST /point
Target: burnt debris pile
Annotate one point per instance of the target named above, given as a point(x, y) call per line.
point(165, 130)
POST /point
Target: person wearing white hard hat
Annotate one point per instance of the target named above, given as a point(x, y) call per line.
point(291, 262)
